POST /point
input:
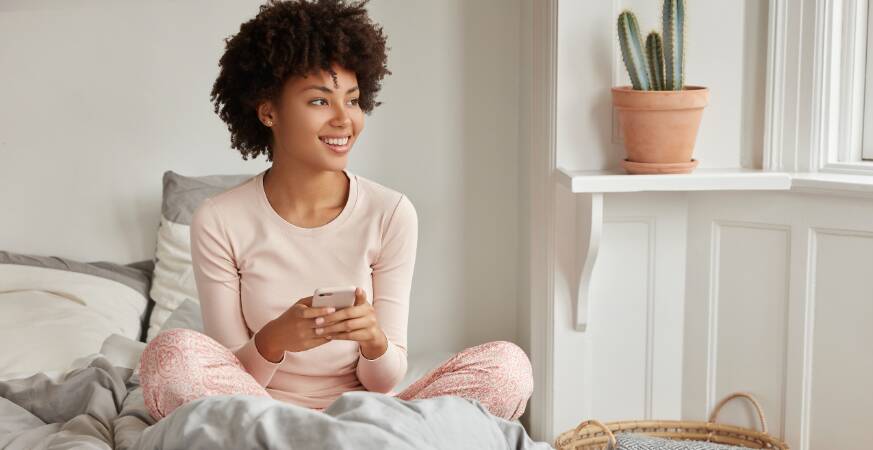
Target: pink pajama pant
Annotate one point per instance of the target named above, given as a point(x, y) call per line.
point(181, 365)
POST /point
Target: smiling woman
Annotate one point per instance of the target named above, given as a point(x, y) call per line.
point(295, 83)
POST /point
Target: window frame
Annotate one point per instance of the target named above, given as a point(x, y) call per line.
point(816, 76)
point(840, 69)
point(867, 141)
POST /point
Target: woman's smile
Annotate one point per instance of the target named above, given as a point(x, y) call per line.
point(339, 145)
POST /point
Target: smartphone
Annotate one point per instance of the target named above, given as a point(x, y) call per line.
point(337, 297)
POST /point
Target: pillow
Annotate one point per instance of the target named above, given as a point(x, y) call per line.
point(55, 310)
point(187, 315)
point(173, 279)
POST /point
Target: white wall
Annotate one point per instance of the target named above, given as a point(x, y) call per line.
point(726, 52)
point(98, 98)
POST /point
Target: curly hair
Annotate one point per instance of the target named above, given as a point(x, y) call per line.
point(288, 39)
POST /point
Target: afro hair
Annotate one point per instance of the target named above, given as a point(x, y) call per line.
point(288, 39)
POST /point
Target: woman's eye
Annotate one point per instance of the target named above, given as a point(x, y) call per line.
point(353, 101)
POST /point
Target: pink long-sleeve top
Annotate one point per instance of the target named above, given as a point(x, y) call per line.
point(250, 265)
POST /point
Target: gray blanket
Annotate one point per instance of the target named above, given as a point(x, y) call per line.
point(101, 407)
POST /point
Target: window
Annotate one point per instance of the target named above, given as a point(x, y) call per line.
point(867, 153)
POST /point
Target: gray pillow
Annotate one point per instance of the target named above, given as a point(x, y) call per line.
point(183, 194)
point(187, 315)
point(137, 275)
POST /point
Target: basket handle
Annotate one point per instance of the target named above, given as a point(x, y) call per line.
point(748, 397)
point(609, 435)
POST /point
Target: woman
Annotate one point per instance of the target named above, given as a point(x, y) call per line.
point(294, 84)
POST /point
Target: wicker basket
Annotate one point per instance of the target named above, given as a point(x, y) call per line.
point(603, 438)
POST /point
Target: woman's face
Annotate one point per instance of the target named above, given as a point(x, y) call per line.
point(317, 121)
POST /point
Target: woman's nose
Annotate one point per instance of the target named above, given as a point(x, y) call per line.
point(341, 117)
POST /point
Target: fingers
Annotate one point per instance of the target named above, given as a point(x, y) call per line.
point(360, 296)
point(345, 326)
point(360, 309)
point(305, 301)
point(309, 313)
point(361, 335)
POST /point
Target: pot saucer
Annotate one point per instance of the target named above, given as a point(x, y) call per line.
point(658, 168)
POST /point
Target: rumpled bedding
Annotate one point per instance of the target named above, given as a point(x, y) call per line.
point(100, 406)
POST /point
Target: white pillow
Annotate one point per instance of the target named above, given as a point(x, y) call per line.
point(173, 279)
point(49, 318)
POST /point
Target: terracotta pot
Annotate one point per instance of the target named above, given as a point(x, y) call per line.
point(659, 127)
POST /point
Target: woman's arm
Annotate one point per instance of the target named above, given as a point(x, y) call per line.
point(218, 287)
point(392, 283)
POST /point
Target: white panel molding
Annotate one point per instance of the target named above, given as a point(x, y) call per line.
point(809, 322)
point(713, 304)
point(651, 247)
point(808, 328)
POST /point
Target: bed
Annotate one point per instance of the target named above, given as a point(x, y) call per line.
point(71, 334)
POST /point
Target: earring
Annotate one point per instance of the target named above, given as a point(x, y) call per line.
point(269, 123)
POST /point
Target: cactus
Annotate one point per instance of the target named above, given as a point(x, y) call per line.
point(655, 56)
point(632, 51)
point(661, 65)
point(673, 16)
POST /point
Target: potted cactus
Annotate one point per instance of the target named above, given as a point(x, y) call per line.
point(659, 114)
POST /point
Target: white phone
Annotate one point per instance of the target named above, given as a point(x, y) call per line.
point(337, 297)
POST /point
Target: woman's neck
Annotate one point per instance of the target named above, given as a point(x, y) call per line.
point(298, 191)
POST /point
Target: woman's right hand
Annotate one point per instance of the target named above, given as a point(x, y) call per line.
point(293, 331)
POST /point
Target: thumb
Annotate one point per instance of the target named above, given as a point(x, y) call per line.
point(307, 301)
point(360, 296)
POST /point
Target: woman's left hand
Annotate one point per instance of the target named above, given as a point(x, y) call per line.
point(355, 323)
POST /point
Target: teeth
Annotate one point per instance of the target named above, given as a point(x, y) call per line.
point(336, 141)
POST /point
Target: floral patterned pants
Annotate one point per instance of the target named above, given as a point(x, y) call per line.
point(181, 365)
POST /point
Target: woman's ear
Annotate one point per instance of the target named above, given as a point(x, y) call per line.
point(265, 113)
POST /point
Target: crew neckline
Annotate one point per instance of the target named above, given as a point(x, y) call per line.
point(337, 221)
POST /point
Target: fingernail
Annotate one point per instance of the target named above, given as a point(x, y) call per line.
point(319, 330)
point(328, 337)
point(330, 310)
point(319, 321)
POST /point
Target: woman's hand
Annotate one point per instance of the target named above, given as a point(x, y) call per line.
point(356, 323)
point(293, 331)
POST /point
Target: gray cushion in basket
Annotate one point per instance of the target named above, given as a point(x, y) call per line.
point(633, 441)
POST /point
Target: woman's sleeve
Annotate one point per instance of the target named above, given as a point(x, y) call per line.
point(392, 283)
point(218, 287)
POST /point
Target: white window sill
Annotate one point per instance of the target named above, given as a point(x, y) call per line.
point(833, 184)
point(605, 181)
point(601, 181)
